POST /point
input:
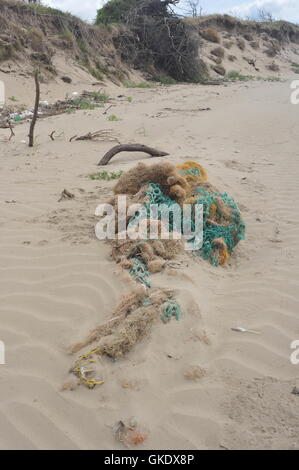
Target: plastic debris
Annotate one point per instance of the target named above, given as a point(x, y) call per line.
point(129, 434)
point(245, 330)
point(171, 309)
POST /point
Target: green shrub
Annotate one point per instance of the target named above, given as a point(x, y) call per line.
point(112, 117)
point(106, 175)
point(99, 97)
point(114, 11)
point(236, 76)
point(138, 85)
point(81, 104)
point(166, 80)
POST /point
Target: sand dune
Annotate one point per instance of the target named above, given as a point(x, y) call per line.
point(57, 281)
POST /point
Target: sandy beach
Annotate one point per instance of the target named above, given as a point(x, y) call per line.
point(58, 281)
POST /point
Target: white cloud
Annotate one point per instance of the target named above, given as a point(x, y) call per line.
point(280, 9)
point(85, 9)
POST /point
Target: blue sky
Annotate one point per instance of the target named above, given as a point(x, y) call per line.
point(281, 9)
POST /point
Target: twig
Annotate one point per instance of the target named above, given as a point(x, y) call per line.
point(105, 134)
point(52, 135)
point(12, 134)
point(36, 105)
point(107, 109)
point(130, 148)
point(66, 195)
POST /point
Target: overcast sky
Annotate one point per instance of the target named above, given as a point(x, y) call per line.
point(281, 9)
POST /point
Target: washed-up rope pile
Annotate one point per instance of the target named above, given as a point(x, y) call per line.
point(162, 184)
point(223, 227)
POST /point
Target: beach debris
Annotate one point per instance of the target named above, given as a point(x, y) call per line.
point(129, 434)
point(85, 368)
point(195, 373)
point(295, 391)
point(87, 100)
point(104, 135)
point(66, 79)
point(53, 133)
point(130, 148)
point(131, 321)
point(160, 184)
point(66, 195)
point(245, 330)
point(171, 309)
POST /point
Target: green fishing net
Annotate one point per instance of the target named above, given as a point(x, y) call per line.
point(191, 171)
point(231, 233)
point(171, 309)
point(139, 272)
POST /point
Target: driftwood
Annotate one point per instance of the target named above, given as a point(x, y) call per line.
point(130, 148)
point(66, 195)
point(35, 112)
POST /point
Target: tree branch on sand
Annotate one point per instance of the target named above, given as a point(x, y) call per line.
point(130, 148)
point(35, 112)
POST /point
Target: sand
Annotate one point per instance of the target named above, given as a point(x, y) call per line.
point(58, 282)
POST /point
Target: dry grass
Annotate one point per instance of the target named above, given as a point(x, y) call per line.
point(219, 69)
point(6, 51)
point(248, 36)
point(210, 34)
point(218, 52)
point(228, 44)
point(241, 44)
point(255, 45)
point(273, 67)
point(272, 50)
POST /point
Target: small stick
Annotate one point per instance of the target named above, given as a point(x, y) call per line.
point(12, 134)
point(36, 105)
point(105, 112)
point(52, 135)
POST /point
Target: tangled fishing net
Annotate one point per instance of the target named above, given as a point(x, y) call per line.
point(166, 186)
